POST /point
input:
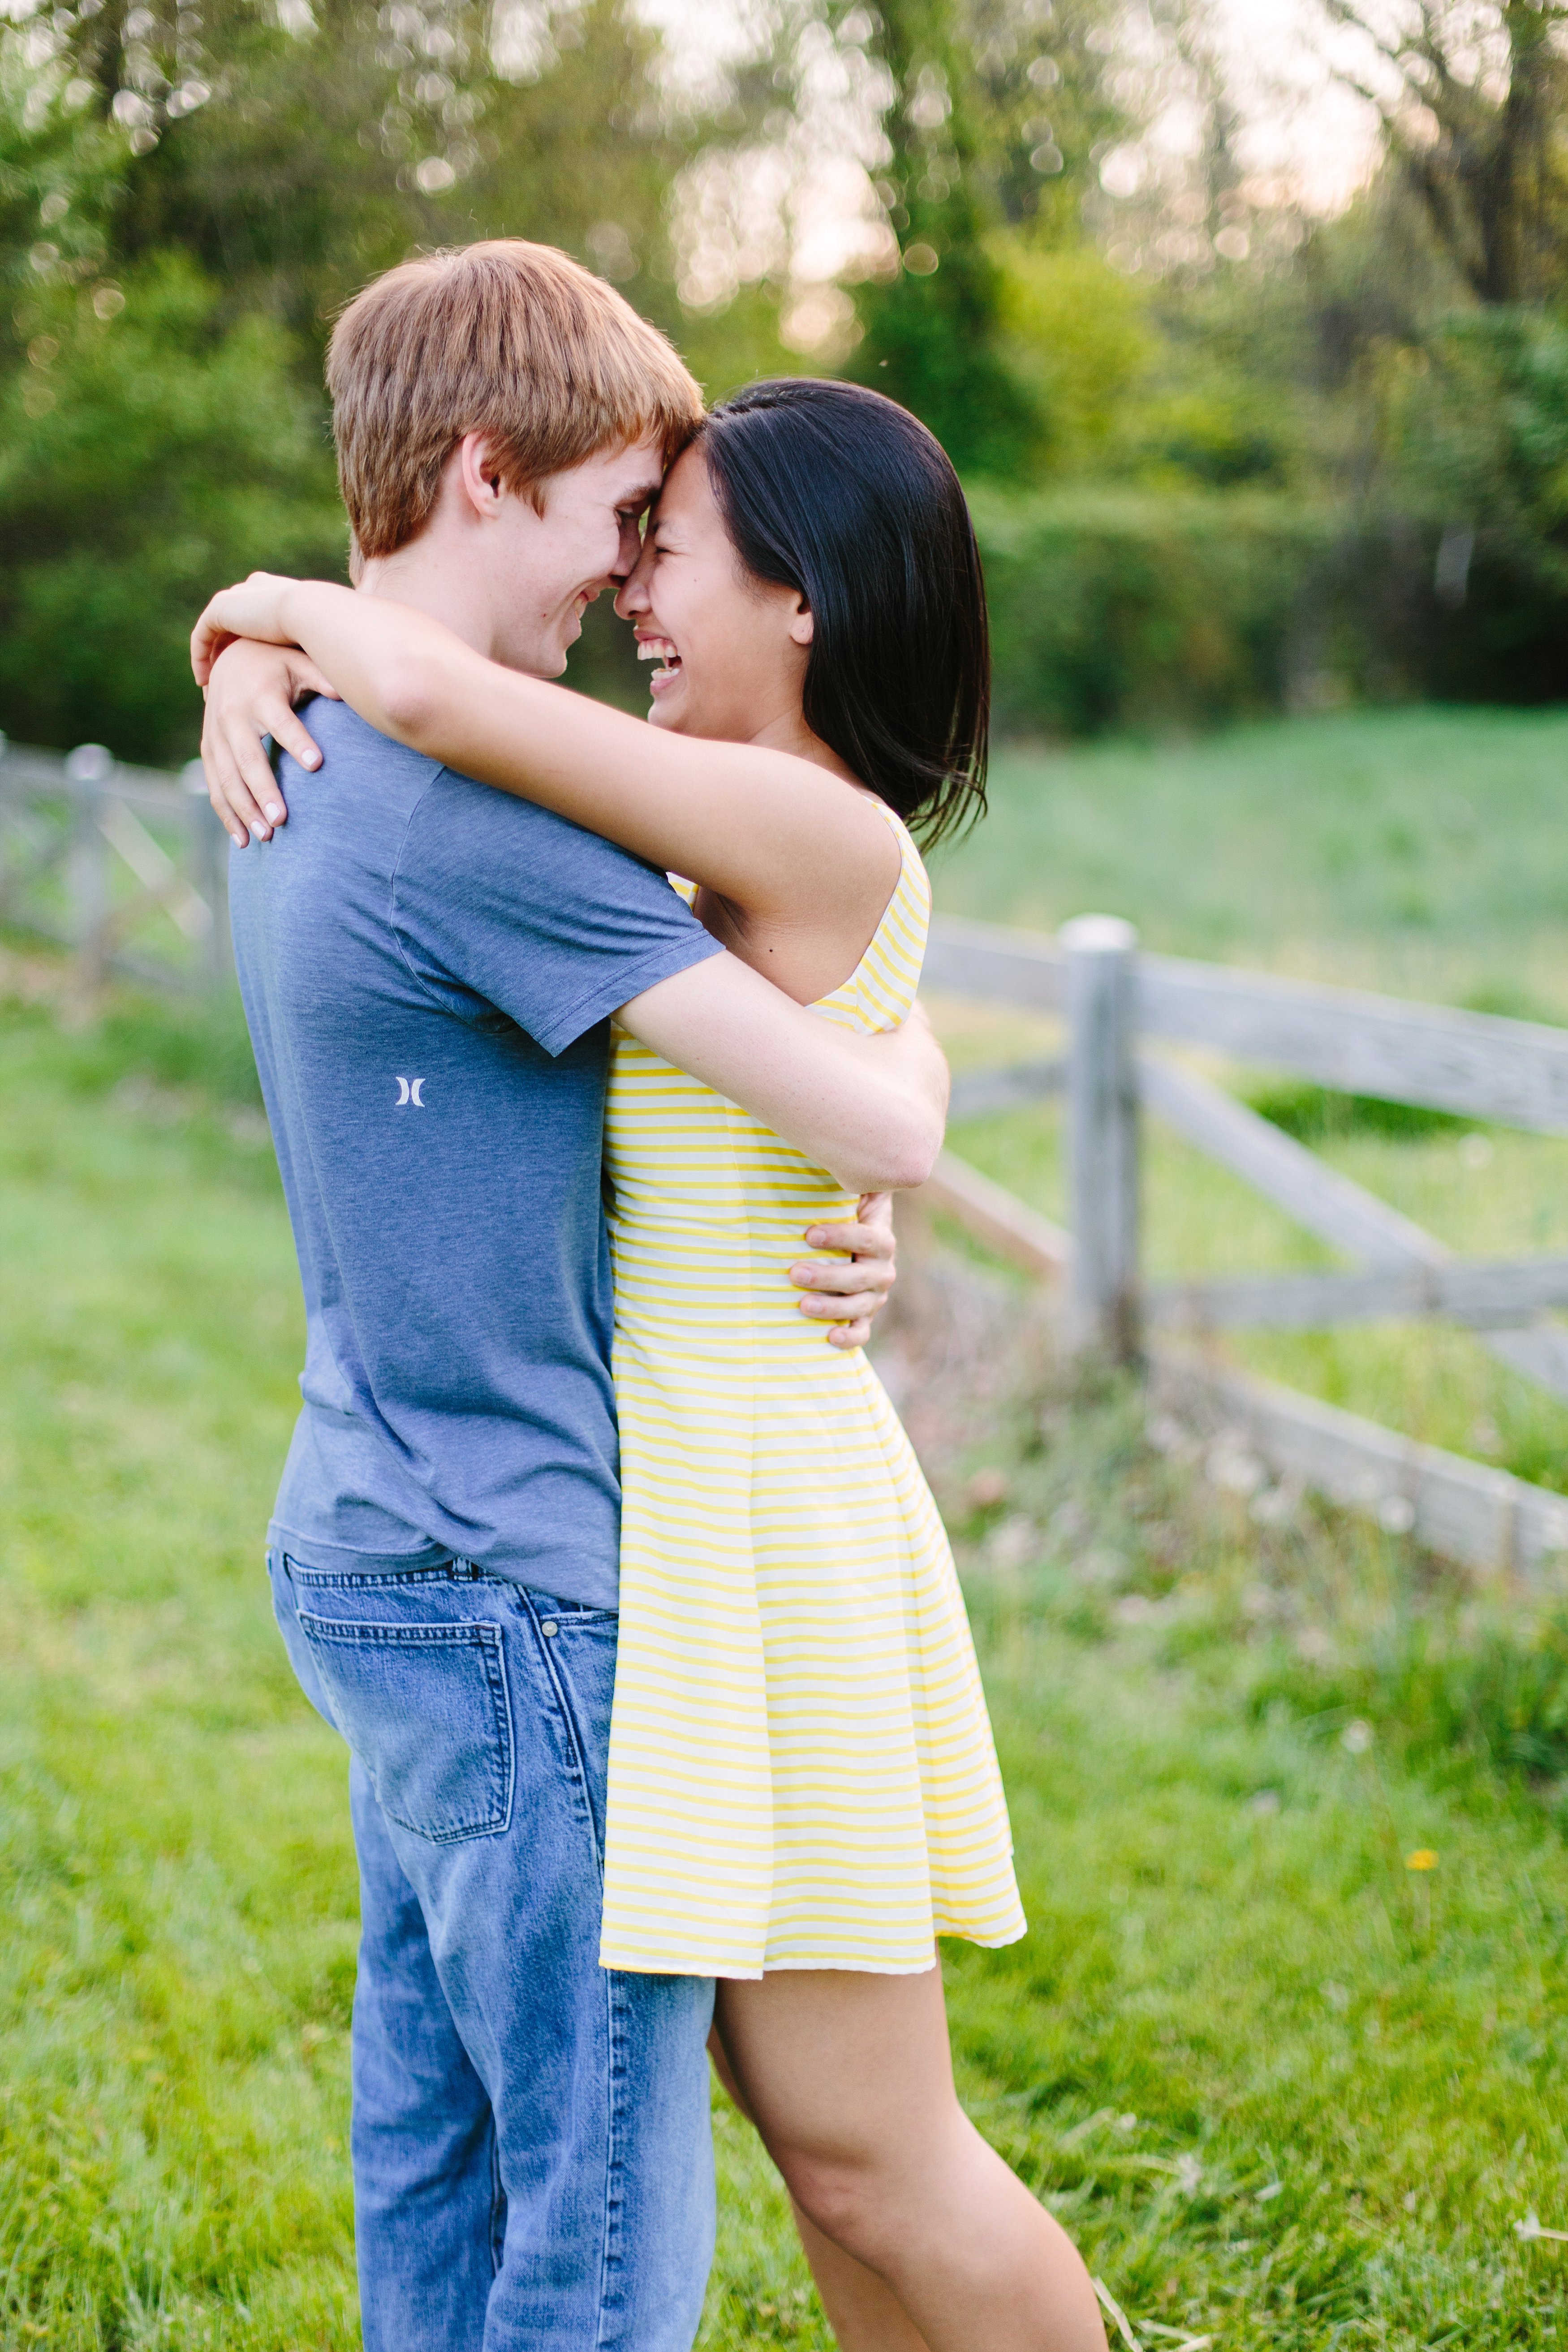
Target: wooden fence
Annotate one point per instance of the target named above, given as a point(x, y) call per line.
point(1112, 1000)
point(126, 866)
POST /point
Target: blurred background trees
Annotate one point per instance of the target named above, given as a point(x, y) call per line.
point(1239, 431)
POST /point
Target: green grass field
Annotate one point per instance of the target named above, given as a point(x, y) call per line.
point(1419, 851)
point(1422, 853)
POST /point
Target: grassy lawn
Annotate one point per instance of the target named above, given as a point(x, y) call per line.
point(1420, 850)
point(1424, 853)
point(1287, 2091)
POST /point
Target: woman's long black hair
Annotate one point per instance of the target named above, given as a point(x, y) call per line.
point(842, 495)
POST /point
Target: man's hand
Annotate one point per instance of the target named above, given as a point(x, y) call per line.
point(251, 692)
point(848, 1291)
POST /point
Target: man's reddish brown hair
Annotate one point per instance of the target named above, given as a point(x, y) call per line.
point(511, 340)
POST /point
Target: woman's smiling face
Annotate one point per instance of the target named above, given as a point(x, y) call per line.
point(731, 649)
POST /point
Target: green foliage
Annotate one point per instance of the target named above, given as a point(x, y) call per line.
point(1121, 607)
point(1078, 336)
point(151, 454)
point(994, 114)
point(189, 1053)
point(1251, 467)
point(1475, 418)
point(292, 164)
point(930, 345)
point(1479, 152)
point(1124, 392)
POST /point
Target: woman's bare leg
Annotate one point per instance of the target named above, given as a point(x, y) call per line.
point(864, 2314)
point(849, 2081)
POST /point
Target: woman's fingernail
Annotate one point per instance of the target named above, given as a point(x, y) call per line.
point(311, 760)
point(259, 833)
point(276, 813)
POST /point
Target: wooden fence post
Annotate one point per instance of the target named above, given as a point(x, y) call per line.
point(209, 871)
point(88, 769)
point(1102, 1134)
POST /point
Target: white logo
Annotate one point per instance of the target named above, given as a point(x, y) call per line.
point(408, 1092)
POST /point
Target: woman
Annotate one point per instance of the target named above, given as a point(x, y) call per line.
point(803, 1787)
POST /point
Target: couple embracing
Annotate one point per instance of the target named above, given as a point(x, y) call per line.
point(665, 1725)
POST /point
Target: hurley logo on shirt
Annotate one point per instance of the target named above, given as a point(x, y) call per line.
point(408, 1092)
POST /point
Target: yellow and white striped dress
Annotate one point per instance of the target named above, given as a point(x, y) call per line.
point(802, 1774)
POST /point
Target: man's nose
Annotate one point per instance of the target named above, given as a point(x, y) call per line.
point(632, 595)
point(628, 552)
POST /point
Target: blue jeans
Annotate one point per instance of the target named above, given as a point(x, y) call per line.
point(531, 2151)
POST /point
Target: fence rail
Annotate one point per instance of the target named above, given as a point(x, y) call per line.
point(127, 867)
point(1112, 998)
point(1475, 1064)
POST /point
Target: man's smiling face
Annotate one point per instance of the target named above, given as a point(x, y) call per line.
point(586, 539)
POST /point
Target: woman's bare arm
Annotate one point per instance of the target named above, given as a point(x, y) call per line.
point(776, 836)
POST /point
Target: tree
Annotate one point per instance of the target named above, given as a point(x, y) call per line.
point(293, 152)
point(1473, 97)
point(974, 151)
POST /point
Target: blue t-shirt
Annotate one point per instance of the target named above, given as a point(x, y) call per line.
point(429, 967)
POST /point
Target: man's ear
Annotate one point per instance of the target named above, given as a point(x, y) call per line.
point(802, 626)
point(479, 476)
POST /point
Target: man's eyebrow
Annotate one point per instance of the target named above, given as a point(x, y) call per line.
point(642, 494)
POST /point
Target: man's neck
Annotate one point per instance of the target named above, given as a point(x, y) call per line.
point(429, 578)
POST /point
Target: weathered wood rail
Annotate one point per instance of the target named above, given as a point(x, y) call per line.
point(1112, 1000)
point(127, 867)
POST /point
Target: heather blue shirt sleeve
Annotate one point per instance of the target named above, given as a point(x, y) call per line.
point(498, 904)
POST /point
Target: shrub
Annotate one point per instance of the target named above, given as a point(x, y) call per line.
point(1117, 607)
point(155, 454)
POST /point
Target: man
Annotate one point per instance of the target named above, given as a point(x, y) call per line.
point(428, 969)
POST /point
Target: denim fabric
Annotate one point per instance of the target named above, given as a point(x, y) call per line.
point(532, 2152)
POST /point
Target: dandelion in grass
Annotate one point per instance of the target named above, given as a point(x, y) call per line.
point(1422, 1864)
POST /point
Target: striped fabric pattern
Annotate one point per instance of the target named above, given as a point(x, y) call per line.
point(802, 1773)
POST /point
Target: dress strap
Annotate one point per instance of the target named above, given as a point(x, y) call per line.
point(882, 988)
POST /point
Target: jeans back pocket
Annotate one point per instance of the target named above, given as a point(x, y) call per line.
point(426, 1710)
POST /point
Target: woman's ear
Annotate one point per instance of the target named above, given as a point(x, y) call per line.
point(802, 626)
